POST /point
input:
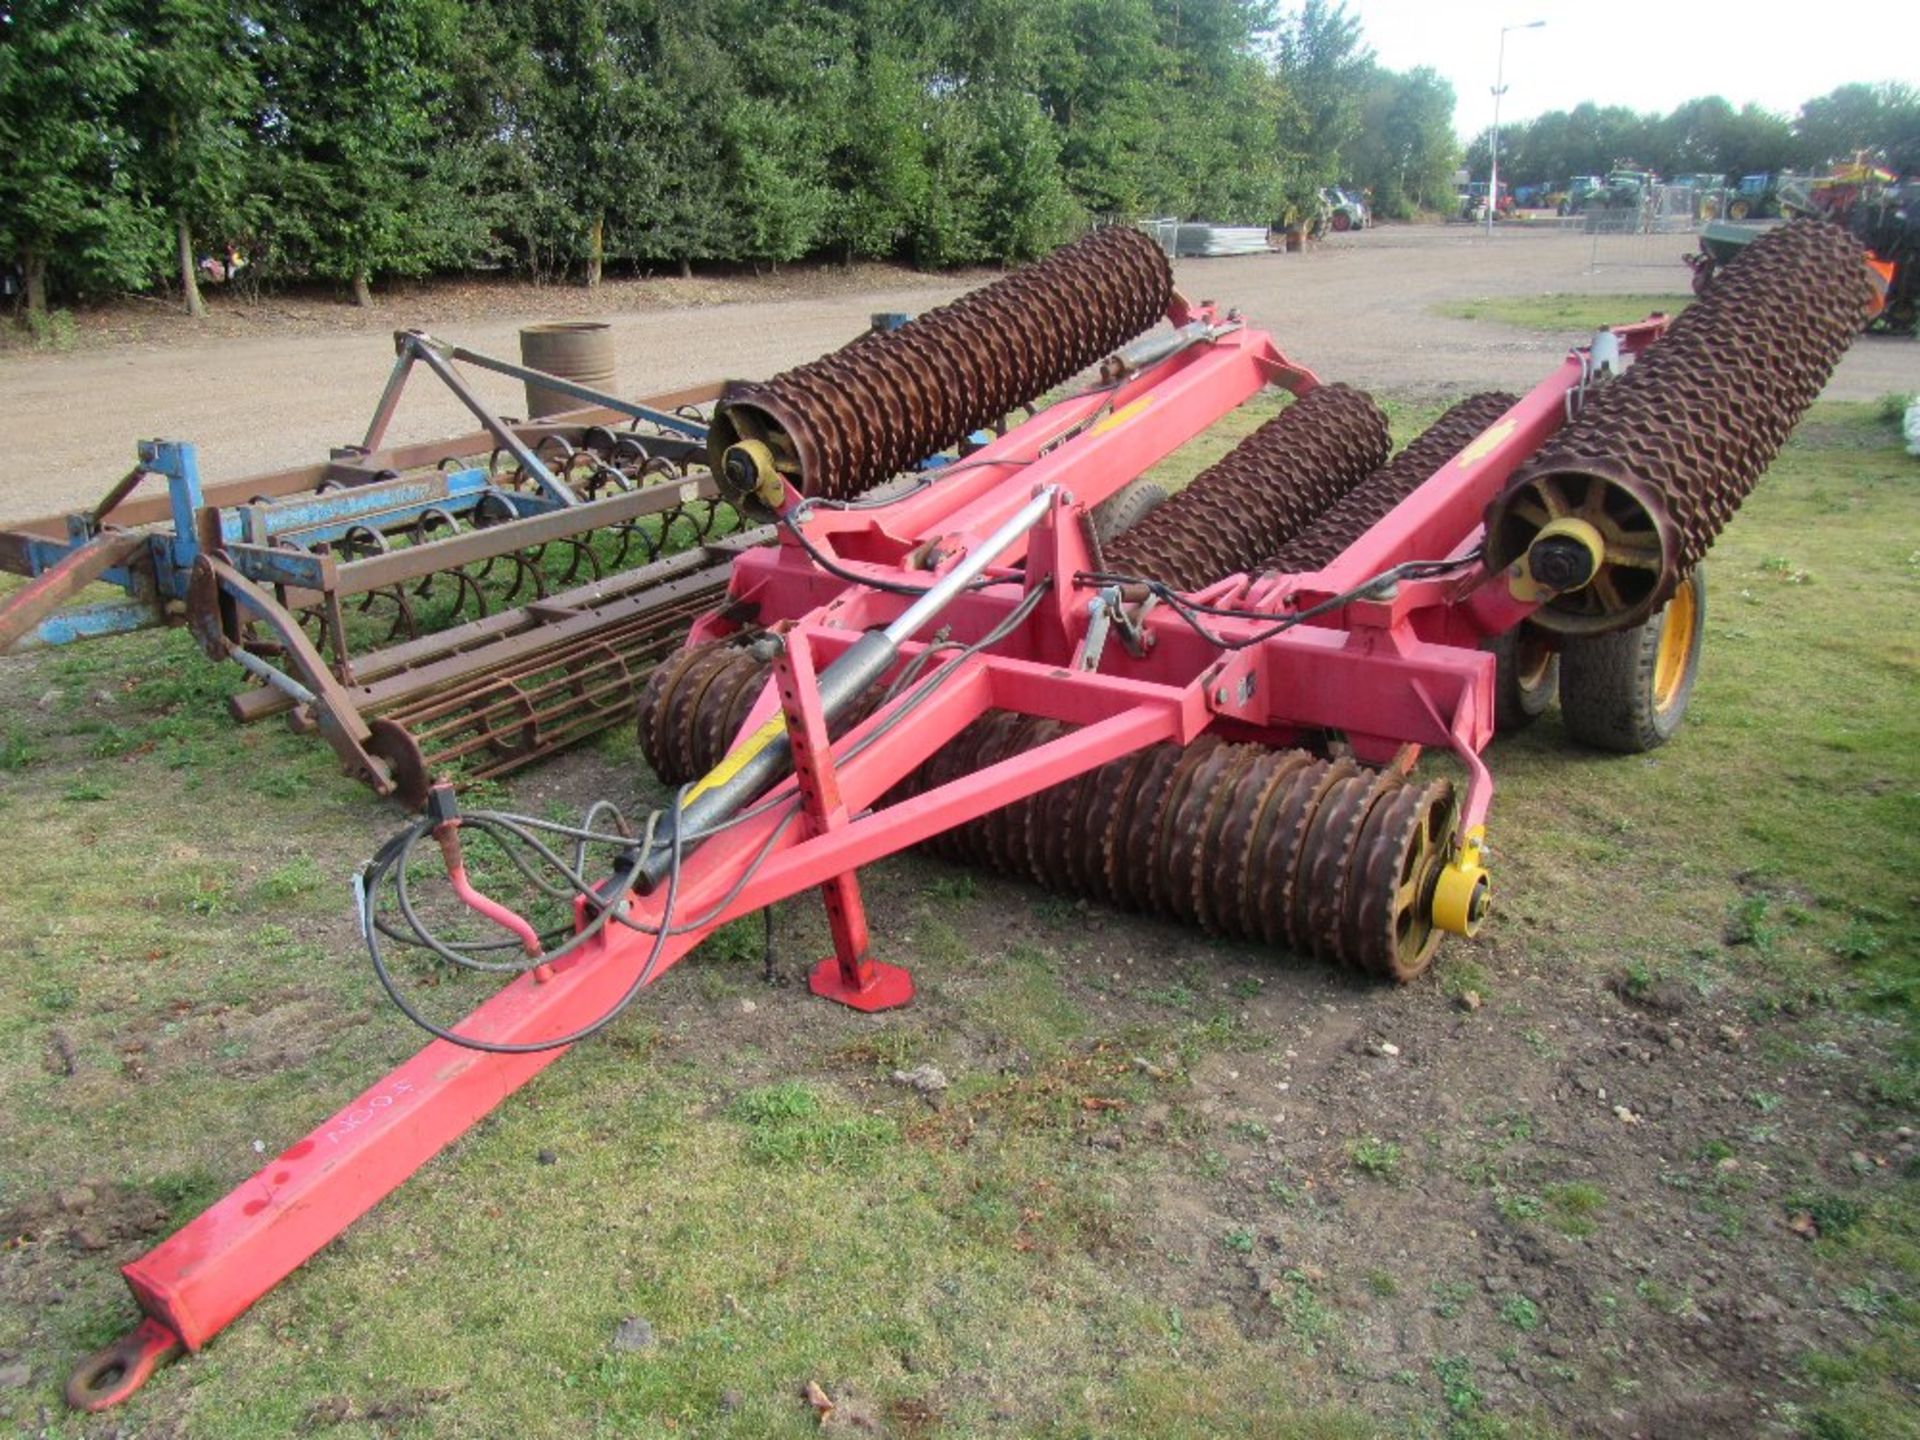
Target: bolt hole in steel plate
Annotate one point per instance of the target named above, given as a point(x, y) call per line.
point(406, 766)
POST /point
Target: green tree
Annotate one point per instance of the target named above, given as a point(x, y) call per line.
point(191, 118)
point(1404, 151)
point(872, 111)
point(995, 188)
point(776, 196)
point(1238, 175)
point(1323, 64)
point(1708, 136)
point(790, 63)
point(1882, 120)
point(684, 217)
point(1759, 141)
point(947, 229)
point(361, 186)
point(1101, 74)
point(480, 137)
point(1215, 156)
point(1025, 207)
point(69, 213)
point(1693, 138)
point(1702, 136)
point(590, 115)
point(1419, 127)
point(1586, 140)
point(365, 138)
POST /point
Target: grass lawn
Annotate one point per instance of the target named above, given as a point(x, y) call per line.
point(1579, 314)
point(1176, 1188)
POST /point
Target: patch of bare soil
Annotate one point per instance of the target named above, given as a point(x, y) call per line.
point(415, 1404)
point(273, 1032)
point(1580, 1199)
point(90, 1217)
point(306, 311)
point(1577, 1192)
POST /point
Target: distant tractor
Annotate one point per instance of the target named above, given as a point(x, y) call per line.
point(1473, 201)
point(1581, 190)
point(1706, 191)
point(1756, 197)
point(1341, 209)
point(1618, 189)
point(1628, 189)
point(1889, 222)
point(1884, 216)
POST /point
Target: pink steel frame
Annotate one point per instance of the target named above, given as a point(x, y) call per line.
point(1401, 670)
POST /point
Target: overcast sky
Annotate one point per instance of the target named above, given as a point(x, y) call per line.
point(1645, 54)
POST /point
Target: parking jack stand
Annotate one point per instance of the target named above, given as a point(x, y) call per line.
point(850, 975)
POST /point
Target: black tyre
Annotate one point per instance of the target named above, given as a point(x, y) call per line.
point(1739, 209)
point(1121, 511)
point(1627, 691)
point(1526, 675)
point(1342, 220)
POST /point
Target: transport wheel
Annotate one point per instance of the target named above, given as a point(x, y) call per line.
point(1627, 691)
point(1342, 220)
point(1526, 675)
point(1739, 209)
point(1121, 511)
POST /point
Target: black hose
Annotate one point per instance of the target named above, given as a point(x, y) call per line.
point(389, 864)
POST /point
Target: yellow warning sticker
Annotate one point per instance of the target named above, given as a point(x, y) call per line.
point(1487, 443)
point(738, 757)
point(1122, 415)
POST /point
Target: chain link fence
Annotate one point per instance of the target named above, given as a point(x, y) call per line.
point(1658, 210)
point(1651, 231)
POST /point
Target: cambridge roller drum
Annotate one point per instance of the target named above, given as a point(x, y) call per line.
point(1658, 460)
point(1220, 720)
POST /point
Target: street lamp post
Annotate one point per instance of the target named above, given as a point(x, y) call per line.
point(1499, 89)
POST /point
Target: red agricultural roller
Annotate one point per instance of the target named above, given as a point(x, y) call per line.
point(1217, 717)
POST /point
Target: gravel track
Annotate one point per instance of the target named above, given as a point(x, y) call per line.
point(1360, 308)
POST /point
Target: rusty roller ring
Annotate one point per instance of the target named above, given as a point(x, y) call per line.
point(1673, 446)
point(1172, 824)
point(958, 332)
point(1320, 543)
point(1263, 491)
point(1129, 838)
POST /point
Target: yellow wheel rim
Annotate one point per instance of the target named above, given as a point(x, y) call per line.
point(1675, 655)
point(1532, 658)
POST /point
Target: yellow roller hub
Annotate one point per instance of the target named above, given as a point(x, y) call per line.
point(1675, 654)
point(749, 469)
point(1463, 893)
point(1529, 585)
